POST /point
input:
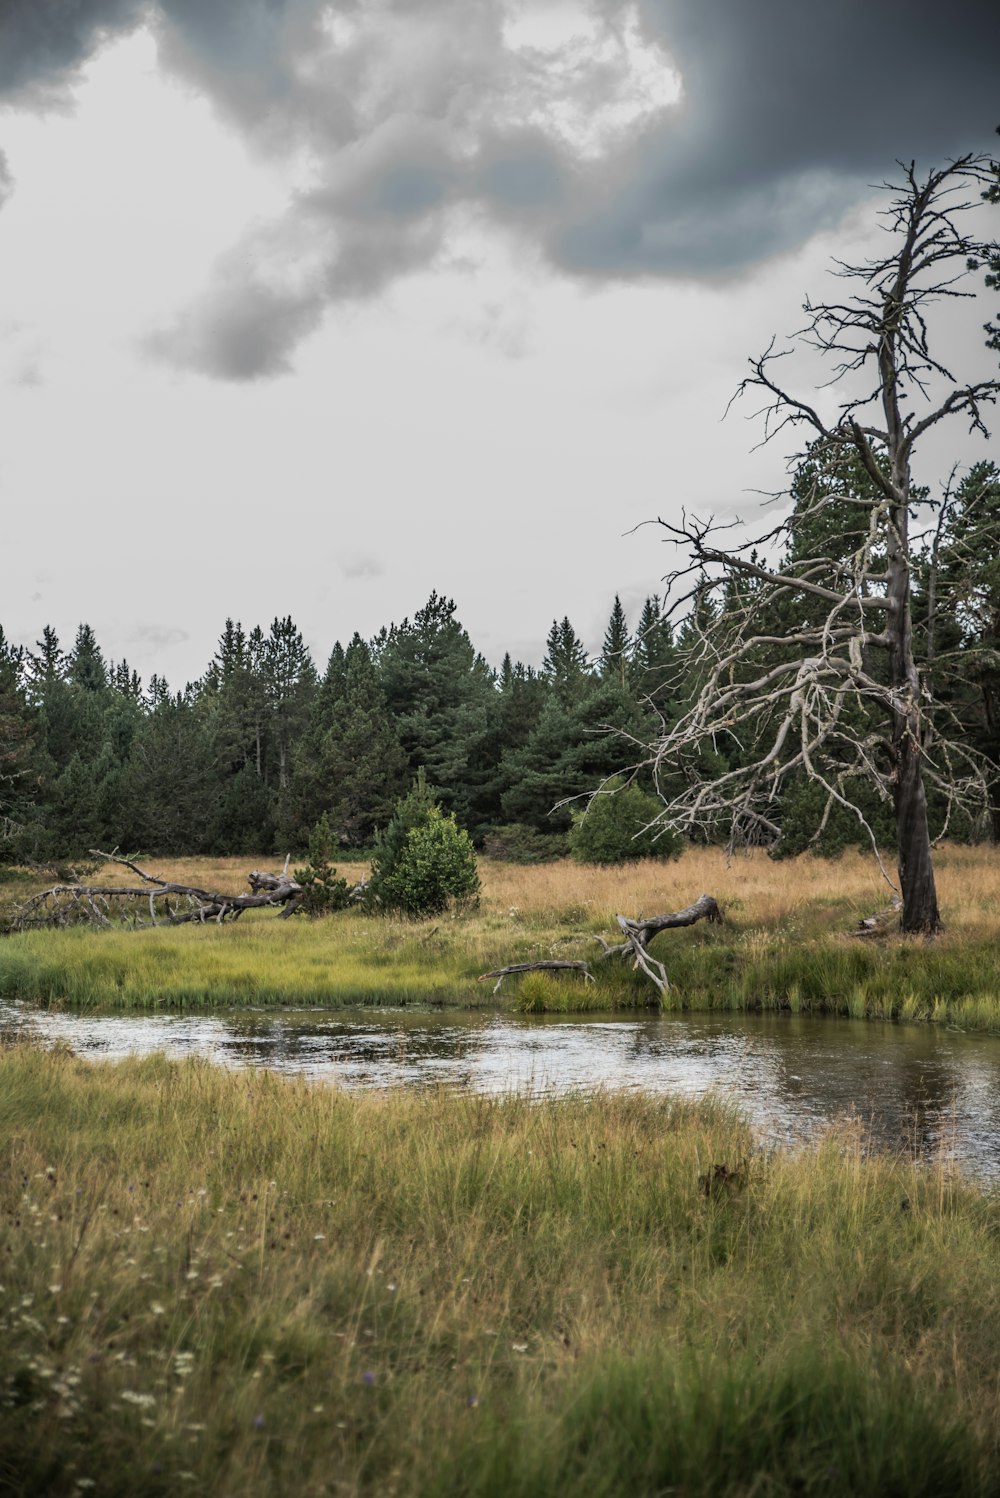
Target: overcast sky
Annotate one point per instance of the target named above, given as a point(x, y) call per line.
point(309, 309)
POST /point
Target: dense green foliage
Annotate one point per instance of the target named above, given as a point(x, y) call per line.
point(323, 890)
point(424, 861)
point(619, 824)
point(255, 752)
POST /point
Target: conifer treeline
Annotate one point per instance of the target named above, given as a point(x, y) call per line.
point(249, 757)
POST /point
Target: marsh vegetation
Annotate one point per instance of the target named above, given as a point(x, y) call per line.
point(786, 944)
point(233, 1283)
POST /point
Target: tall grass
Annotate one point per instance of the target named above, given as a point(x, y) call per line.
point(235, 1284)
point(785, 944)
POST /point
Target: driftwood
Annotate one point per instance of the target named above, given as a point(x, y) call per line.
point(168, 903)
point(638, 934)
point(500, 973)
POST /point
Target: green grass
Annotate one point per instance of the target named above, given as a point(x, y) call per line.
point(350, 960)
point(235, 1284)
point(784, 946)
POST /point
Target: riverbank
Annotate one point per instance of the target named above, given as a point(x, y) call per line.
point(233, 1283)
point(785, 945)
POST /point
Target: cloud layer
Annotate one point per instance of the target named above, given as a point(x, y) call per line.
point(621, 140)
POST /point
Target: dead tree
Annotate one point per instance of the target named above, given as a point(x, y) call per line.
point(166, 902)
point(803, 657)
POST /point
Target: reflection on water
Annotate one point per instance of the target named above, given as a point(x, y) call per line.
point(916, 1087)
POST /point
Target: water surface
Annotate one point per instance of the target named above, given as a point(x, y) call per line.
point(925, 1089)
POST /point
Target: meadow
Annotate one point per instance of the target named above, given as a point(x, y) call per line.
point(786, 944)
point(231, 1283)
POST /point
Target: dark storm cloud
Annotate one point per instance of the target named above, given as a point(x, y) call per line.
point(407, 113)
point(42, 41)
point(239, 330)
point(789, 111)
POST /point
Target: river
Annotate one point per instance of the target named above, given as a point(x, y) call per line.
point(931, 1091)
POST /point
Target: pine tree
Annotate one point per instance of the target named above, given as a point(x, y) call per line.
point(617, 646)
point(349, 764)
point(169, 792)
point(289, 682)
point(957, 615)
point(126, 682)
point(49, 665)
point(437, 690)
point(566, 663)
point(654, 655)
point(18, 741)
point(86, 662)
point(423, 861)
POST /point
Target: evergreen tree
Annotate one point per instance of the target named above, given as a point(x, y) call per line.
point(126, 682)
point(289, 682)
point(49, 665)
point(18, 778)
point(169, 793)
point(423, 861)
point(654, 655)
point(512, 715)
point(619, 825)
point(157, 692)
point(566, 664)
point(437, 690)
point(957, 615)
point(348, 765)
point(572, 748)
point(86, 668)
point(616, 649)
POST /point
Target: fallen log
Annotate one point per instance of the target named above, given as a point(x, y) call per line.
point(500, 973)
point(638, 934)
point(169, 903)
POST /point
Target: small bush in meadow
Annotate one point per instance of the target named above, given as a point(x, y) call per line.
point(424, 861)
point(617, 826)
point(324, 891)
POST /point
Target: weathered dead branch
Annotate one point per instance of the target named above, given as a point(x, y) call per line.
point(168, 903)
point(881, 923)
point(800, 662)
point(638, 934)
point(500, 973)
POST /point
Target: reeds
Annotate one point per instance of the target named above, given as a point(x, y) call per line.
point(236, 1284)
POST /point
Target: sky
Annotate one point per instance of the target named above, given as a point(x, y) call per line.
point(312, 309)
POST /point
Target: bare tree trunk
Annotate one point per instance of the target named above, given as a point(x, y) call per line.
point(913, 840)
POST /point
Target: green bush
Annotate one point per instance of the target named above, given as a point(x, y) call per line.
point(324, 891)
point(518, 843)
point(617, 827)
point(423, 861)
point(802, 807)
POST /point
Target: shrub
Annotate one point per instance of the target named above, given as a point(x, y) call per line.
point(423, 861)
point(323, 889)
point(518, 843)
point(616, 827)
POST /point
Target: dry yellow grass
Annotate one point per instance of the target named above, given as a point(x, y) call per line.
point(757, 889)
point(803, 896)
